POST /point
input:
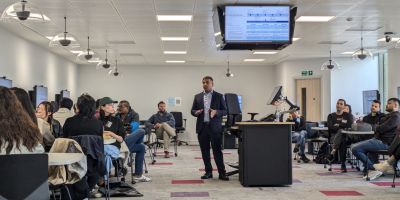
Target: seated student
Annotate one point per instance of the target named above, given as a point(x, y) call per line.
point(299, 134)
point(84, 123)
point(337, 121)
point(44, 128)
point(375, 116)
point(65, 111)
point(394, 152)
point(134, 137)
point(18, 133)
point(45, 111)
point(164, 124)
point(384, 134)
point(113, 128)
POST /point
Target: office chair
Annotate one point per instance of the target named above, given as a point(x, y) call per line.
point(24, 176)
point(180, 127)
point(234, 114)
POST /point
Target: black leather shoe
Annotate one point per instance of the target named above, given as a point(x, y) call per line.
point(206, 176)
point(223, 177)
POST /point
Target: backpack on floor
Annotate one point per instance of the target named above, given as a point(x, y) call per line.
point(322, 154)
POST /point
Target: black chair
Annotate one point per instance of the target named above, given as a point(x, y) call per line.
point(24, 176)
point(180, 127)
point(234, 114)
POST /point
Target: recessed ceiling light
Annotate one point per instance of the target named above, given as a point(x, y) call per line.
point(384, 39)
point(174, 18)
point(253, 60)
point(348, 52)
point(76, 52)
point(295, 39)
point(175, 52)
point(175, 61)
point(265, 52)
point(315, 18)
point(174, 38)
point(217, 33)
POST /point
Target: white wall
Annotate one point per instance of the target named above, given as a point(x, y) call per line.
point(28, 64)
point(347, 83)
point(289, 71)
point(144, 86)
point(354, 78)
point(393, 72)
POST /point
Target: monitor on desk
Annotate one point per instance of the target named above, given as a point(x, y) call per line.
point(5, 82)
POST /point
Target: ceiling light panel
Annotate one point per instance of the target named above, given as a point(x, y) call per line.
point(315, 18)
point(185, 18)
point(174, 38)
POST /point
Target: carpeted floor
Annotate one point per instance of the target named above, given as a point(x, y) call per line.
point(179, 178)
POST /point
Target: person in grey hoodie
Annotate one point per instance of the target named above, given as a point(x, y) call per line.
point(65, 111)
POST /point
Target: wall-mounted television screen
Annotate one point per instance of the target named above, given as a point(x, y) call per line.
point(5, 82)
point(252, 27)
point(41, 94)
point(264, 24)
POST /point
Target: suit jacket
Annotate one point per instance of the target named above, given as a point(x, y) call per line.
point(217, 103)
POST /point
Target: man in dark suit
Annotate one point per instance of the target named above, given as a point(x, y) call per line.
point(209, 107)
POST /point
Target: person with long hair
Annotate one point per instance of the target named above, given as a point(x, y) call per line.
point(45, 111)
point(18, 133)
point(25, 101)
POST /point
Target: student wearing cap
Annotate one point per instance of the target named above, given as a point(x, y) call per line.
point(113, 130)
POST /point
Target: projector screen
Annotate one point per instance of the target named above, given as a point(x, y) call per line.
point(263, 24)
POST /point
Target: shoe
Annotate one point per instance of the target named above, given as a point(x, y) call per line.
point(372, 175)
point(343, 168)
point(95, 194)
point(384, 167)
point(166, 154)
point(304, 159)
point(296, 148)
point(207, 176)
point(223, 177)
point(142, 179)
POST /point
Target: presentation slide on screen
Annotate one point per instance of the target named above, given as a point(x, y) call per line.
point(257, 23)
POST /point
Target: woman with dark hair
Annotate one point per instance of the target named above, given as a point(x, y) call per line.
point(45, 111)
point(18, 133)
point(44, 128)
point(84, 123)
point(25, 101)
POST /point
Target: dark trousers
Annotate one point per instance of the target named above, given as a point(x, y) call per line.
point(341, 140)
point(205, 138)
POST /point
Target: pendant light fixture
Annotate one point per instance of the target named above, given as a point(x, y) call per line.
point(330, 64)
point(104, 64)
point(228, 71)
point(64, 39)
point(86, 55)
point(114, 70)
point(23, 11)
point(362, 53)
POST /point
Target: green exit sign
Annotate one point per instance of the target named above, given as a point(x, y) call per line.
point(306, 73)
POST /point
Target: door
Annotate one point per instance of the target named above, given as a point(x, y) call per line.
point(308, 97)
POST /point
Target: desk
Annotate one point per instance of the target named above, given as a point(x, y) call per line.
point(319, 128)
point(265, 156)
point(64, 158)
point(358, 132)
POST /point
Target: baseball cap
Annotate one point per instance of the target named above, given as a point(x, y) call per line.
point(106, 100)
